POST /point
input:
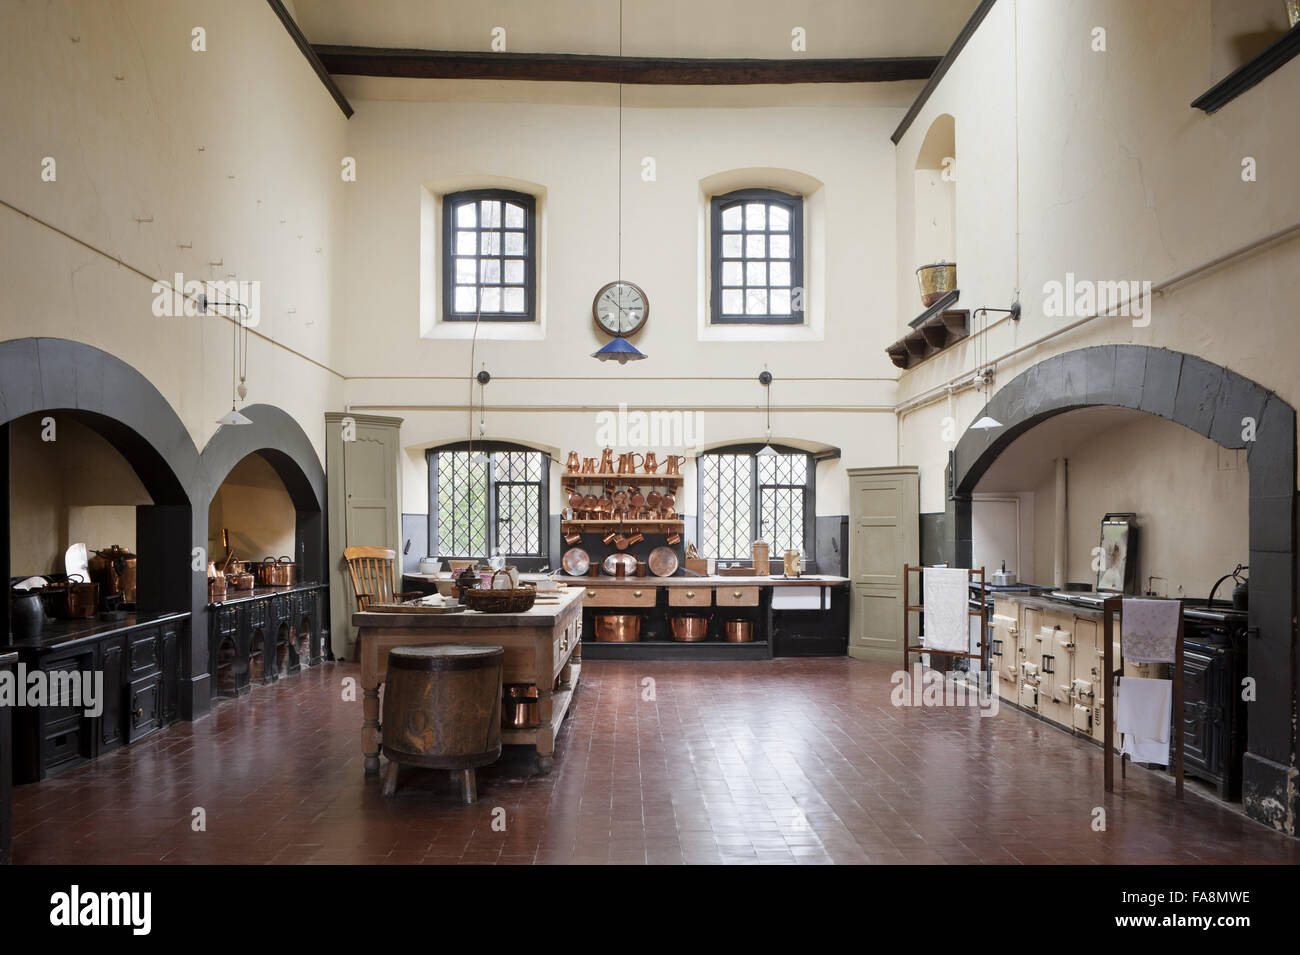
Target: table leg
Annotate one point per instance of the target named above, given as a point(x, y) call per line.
point(390, 778)
point(370, 729)
point(468, 786)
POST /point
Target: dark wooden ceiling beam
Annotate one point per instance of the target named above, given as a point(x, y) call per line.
point(640, 70)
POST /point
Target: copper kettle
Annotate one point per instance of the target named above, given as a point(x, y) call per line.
point(574, 464)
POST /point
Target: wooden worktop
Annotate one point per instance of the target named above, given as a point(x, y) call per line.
point(542, 613)
point(817, 580)
point(716, 580)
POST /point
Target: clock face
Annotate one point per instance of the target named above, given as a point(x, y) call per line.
point(620, 308)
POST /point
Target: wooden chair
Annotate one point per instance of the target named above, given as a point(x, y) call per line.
point(374, 576)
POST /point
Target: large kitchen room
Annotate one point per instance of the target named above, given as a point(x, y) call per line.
point(358, 514)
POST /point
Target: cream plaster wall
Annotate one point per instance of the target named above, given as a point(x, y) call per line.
point(253, 505)
point(1094, 163)
point(76, 488)
point(170, 160)
point(834, 389)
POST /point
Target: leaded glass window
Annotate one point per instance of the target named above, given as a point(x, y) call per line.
point(487, 501)
point(757, 258)
point(745, 496)
point(489, 256)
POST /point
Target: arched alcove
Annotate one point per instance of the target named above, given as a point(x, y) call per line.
point(1230, 410)
point(935, 194)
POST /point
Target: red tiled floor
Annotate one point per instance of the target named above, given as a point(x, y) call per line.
point(785, 762)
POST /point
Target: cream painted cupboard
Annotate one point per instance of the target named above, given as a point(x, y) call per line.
point(884, 534)
point(361, 461)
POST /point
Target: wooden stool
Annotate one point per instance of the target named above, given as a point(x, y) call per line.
point(442, 710)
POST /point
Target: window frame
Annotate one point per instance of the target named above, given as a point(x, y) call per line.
point(448, 265)
point(809, 542)
point(717, 205)
point(492, 448)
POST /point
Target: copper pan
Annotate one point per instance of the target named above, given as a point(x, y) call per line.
point(618, 628)
point(739, 631)
point(690, 628)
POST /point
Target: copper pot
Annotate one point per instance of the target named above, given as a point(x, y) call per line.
point(519, 708)
point(618, 628)
point(690, 628)
point(739, 631)
point(574, 464)
point(674, 463)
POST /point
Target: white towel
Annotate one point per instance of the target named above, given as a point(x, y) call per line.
point(947, 592)
point(1142, 715)
point(1150, 629)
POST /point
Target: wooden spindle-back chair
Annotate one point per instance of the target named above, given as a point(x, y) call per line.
point(374, 576)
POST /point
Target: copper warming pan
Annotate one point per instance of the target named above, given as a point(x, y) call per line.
point(618, 627)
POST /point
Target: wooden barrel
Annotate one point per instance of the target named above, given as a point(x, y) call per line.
point(442, 706)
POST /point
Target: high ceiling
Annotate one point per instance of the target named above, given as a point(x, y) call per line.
point(675, 28)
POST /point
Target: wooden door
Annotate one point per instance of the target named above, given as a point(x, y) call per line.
point(884, 534)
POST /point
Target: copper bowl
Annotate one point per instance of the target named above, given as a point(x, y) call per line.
point(618, 628)
point(739, 631)
point(690, 628)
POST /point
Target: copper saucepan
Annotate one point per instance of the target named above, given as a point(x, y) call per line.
point(618, 628)
point(690, 628)
point(739, 631)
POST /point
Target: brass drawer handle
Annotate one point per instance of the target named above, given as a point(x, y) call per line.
point(736, 594)
point(636, 593)
point(564, 643)
point(591, 593)
point(690, 595)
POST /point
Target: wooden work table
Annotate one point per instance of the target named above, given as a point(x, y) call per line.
point(543, 646)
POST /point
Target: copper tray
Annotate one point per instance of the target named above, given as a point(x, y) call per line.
point(663, 562)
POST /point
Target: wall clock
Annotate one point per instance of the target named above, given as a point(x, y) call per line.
point(620, 308)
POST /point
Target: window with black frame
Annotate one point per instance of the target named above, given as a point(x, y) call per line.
point(491, 499)
point(756, 258)
point(746, 496)
point(489, 256)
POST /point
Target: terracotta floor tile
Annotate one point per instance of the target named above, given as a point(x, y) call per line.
point(793, 761)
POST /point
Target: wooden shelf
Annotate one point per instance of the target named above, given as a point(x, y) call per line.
point(592, 526)
point(571, 479)
point(936, 332)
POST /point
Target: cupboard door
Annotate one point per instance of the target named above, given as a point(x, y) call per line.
point(884, 535)
point(143, 716)
point(110, 721)
point(171, 664)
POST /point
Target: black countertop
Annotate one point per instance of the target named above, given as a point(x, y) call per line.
point(60, 634)
point(258, 593)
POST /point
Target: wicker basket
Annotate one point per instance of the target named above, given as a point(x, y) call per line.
point(491, 600)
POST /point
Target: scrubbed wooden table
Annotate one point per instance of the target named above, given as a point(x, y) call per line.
point(541, 645)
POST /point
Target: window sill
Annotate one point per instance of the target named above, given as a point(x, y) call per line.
point(759, 333)
point(488, 331)
point(1250, 73)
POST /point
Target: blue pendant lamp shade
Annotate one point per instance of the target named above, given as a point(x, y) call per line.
point(620, 350)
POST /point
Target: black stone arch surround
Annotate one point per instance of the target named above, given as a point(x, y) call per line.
point(280, 440)
point(1232, 411)
point(61, 377)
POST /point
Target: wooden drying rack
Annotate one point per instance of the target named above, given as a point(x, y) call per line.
point(983, 614)
point(1111, 607)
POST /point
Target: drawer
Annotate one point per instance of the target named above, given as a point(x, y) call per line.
point(737, 596)
point(144, 654)
point(619, 596)
point(563, 647)
point(690, 596)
